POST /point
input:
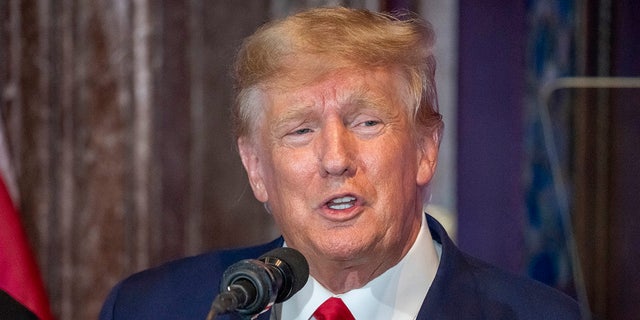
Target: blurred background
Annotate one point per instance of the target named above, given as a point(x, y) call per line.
point(118, 155)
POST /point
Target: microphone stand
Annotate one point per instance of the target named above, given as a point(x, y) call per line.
point(237, 294)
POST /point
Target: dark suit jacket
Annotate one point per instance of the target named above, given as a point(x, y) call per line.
point(464, 288)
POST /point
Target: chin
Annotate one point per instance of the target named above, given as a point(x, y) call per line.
point(344, 249)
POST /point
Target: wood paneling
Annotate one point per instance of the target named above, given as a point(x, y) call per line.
point(117, 114)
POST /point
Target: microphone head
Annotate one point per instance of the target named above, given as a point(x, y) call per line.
point(293, 267)
point(273, 278)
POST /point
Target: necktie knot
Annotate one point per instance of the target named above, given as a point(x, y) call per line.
point(333, 309)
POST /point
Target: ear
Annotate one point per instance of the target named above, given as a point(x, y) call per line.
point(251, 162)
point(428, 146)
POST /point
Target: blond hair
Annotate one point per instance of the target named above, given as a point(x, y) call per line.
point(324, 39)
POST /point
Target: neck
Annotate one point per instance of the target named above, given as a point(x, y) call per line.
point(340, 279)
point(343, 276)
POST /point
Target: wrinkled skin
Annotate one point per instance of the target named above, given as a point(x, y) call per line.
point(338, 164)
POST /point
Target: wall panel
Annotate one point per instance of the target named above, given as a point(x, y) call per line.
point(117, 115)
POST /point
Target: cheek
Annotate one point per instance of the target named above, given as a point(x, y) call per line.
point(289, 167)
point(400, 171)
point(291, 174)
point(396, 156)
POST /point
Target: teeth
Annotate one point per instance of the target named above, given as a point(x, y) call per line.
point(341, 203)
point(341, 206)
point(343, 199)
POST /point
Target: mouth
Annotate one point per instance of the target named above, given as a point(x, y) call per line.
point(342, 207)
point(342, 203)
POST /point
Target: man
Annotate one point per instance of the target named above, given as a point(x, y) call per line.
point(338, 130)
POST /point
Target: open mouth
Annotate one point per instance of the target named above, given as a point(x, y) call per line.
point(342, 203)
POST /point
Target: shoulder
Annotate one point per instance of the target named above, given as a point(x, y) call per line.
point(503, 292)
point(182, 288)
point(466, 285)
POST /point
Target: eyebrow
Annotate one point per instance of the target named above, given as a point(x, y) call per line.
point(363, 100)
point(295, 113)
point(355, 100)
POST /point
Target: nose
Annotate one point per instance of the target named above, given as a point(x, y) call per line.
point(337, 149)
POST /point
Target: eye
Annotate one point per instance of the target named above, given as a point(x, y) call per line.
point(301, 131)
point(371, 123)
point(367, 125)
point(298, 137)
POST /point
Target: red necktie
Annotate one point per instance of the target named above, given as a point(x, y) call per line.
point(333, 309)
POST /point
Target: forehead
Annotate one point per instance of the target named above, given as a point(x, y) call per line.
point(343, 88)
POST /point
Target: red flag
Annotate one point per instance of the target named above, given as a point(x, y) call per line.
point(21, 285)
point(19, 275)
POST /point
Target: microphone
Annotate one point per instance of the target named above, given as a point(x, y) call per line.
point(250, 286)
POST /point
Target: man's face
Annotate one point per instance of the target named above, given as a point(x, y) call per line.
point(339, 167)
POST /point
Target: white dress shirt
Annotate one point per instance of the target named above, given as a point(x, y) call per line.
point(396, 294)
